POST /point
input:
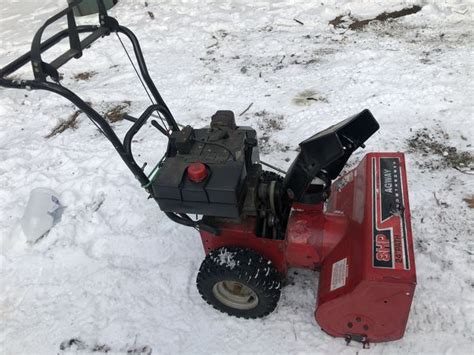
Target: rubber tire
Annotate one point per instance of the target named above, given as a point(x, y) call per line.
point(247, 267)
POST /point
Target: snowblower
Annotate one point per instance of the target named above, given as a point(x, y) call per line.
point(255, 224)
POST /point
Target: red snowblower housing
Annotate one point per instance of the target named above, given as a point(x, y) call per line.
point(357, 233)
point(255, 224)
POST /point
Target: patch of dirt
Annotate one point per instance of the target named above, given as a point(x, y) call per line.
point(470, 201)
point(428, 56)
point(145, 350)
point(308, 97)
point(257, 65)
point(85, 75)
point(437, 153)
point(77, 345)
point(269, 122)
point(426, 39)
point(70, 123)
point(209, 60)
point(338, 21)
point(101, 348)
point(215, 55)
point(115, 114)
point(72, 344)
point(352, 23)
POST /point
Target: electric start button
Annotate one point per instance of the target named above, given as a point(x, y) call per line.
point(197, 172)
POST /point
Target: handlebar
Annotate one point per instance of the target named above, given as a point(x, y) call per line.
point(138, 124)
point(42, 70)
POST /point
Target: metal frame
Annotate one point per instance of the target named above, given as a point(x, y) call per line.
point(42, 70)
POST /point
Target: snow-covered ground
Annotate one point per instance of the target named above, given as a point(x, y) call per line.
point(115, 274)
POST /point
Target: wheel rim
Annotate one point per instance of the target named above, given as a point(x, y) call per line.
point(235, 294)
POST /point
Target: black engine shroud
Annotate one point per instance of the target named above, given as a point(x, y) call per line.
point(234, 183)
point(227, 151)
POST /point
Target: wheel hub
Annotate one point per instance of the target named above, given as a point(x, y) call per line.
point(235, 294)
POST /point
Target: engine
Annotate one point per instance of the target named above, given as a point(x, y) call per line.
point(216, 172)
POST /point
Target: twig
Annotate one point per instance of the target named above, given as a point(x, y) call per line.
point(462, 12)
point(248, 108)
point(462, 171)
point(215, 44)
point(437, 201)
point(296, 20)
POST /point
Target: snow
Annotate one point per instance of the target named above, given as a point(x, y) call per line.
point(226, 258)
point(116, 274)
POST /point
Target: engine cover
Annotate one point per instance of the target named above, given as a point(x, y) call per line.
point(225, 151)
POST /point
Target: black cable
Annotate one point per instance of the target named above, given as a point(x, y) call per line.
point(139, 77)
point(273, 167)
point(218, 145)
point(134, 68)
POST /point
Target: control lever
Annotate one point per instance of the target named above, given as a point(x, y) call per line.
point(155, 124)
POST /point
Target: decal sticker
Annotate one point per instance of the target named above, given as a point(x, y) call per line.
point(389, 243)
point(390, 185)
point(339, 274)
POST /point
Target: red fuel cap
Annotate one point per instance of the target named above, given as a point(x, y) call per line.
point(197, 172)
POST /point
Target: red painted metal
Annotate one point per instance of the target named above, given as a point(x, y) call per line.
point(242, 235)
point(375, 300)
point(312, 234)
point(360, 240)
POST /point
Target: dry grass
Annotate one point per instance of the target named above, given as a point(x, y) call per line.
point(70, 123)
point(434, 146)
point(85, 75)
point(115, 114)
point(308, 97)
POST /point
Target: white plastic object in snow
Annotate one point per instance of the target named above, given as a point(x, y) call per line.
point(42, 212)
